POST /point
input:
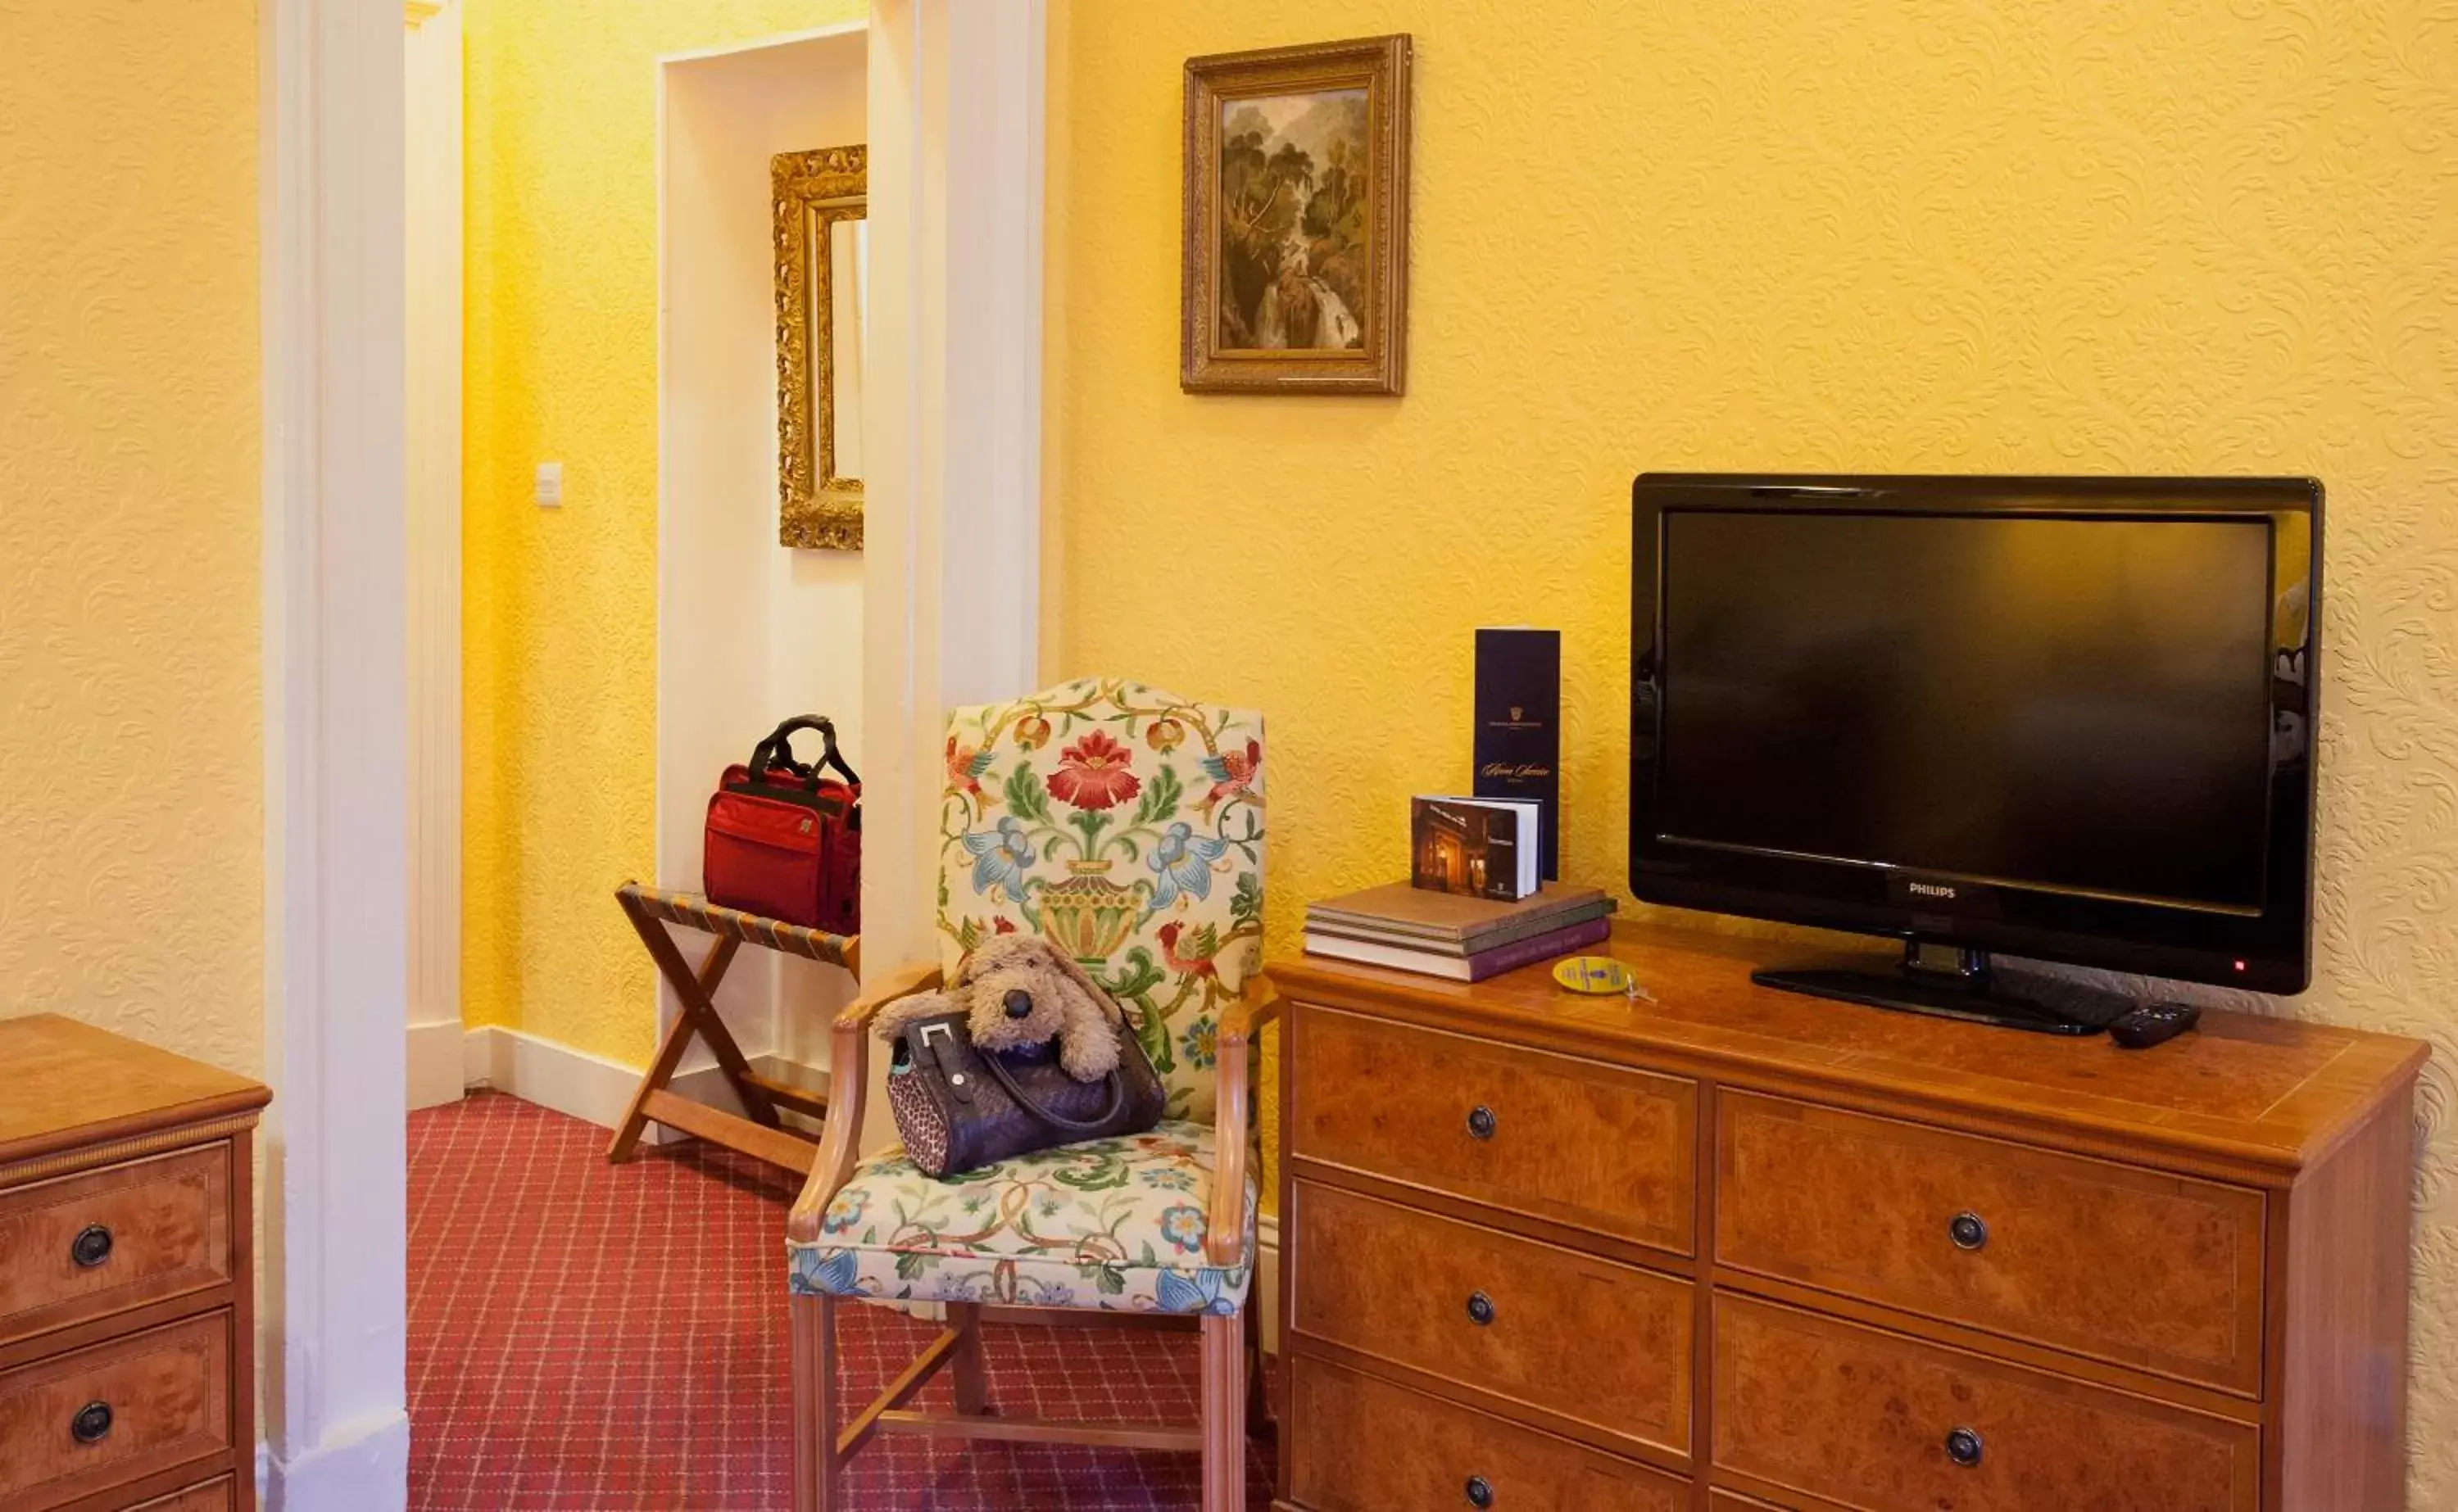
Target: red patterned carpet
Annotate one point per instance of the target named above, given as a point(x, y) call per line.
point(590, 1336)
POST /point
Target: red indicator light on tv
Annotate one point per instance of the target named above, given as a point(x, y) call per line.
point(2239, 965)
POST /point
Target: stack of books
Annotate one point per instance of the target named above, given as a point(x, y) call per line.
point(1451, 935)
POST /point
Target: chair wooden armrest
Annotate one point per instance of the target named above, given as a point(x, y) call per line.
point(849, 1082)
point(1224, 1242)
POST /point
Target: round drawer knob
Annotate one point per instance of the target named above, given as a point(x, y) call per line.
point(93, 1423)
point(1963, 1447)
point(1480, 1309)
point(1480, 1491)
point(91, 1247)
point(1480, 1121)
point(1967, 1231)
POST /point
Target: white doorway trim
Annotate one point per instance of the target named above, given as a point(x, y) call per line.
point(762, 44)
point(435, 312)
point(951, 612)
point(331, 80)
point(951, 599)
point(953, 527)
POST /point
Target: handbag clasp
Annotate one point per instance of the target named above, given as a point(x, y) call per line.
point(957, 1081)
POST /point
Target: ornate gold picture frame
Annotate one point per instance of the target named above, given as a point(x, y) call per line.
point(813, 195)
point(1297, 221)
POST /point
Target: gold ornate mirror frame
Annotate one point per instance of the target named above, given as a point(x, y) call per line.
point(810, 193)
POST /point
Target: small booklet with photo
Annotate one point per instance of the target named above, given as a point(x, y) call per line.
point(1478, 847)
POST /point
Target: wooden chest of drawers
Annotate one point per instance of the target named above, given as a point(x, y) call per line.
point(127, 1288)
point(1734, 1249)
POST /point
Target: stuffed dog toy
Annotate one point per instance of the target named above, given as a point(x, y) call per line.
point(1016, 990)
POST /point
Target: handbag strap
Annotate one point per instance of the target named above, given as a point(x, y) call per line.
point(778, 750)
point(1024, 1099)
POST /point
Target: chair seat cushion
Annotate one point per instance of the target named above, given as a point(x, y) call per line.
point(1111, 1224)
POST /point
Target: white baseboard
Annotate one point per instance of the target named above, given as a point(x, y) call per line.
point(593, 1088)
point(572, 1082)
point(435, 1062)
point(360, 1467)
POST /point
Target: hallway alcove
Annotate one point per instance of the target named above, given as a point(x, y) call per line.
point(749, 631)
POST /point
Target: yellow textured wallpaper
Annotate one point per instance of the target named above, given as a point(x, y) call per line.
point(559, 618)
point(2156, 235)
point(132, 774)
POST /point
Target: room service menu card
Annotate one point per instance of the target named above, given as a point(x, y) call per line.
point(1518, 743)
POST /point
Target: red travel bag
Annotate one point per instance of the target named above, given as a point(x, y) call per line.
point(784, 842)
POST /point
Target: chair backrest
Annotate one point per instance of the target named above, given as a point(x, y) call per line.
point(1125, 824)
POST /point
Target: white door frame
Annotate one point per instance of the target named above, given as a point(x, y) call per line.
point(951, 615)
point(336, 701)
point(434, 274)
point(951, 596)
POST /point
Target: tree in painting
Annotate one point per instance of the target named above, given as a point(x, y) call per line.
point(1294, 219)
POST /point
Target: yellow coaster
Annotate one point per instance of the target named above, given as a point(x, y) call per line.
point(1601, 975)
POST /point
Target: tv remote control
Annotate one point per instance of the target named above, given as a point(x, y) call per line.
point(2153, 1024)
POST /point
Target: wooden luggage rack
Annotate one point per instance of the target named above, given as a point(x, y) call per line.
point(763, 1134)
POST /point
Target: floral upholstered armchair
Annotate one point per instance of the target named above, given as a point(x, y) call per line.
point(1125, 824)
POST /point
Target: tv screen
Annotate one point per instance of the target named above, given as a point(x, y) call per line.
point(2061, 703)
point(2067, 717)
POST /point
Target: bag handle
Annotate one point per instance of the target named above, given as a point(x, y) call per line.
point(778, 750)
point(1117, 1099)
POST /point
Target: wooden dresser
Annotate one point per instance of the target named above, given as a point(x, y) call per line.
point(1737, 1249)
point(127, 1287)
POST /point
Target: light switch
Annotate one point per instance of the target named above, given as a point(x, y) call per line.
point(550, 485)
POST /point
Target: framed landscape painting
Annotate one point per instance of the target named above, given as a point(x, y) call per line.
point(1297, 221)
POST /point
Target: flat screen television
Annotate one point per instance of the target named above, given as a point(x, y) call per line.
point(2065, 718)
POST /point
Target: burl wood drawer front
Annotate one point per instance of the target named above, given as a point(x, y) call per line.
point(216, 1497)
point(1594, 1147)
point(1877, 1422)
point(1501, 1315)
point(1362, 1444)
point(2158, 1272)
point(80, 1422)
point(105, 1242)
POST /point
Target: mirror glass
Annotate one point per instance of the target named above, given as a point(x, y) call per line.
point(848, 254)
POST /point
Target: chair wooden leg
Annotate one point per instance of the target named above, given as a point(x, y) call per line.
point(1224, 1413)
point(815, 1404)
point(972, 1379)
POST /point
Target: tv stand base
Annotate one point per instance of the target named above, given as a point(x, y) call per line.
point(1945, 983)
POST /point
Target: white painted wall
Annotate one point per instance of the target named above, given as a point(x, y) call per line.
point(748, 632)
